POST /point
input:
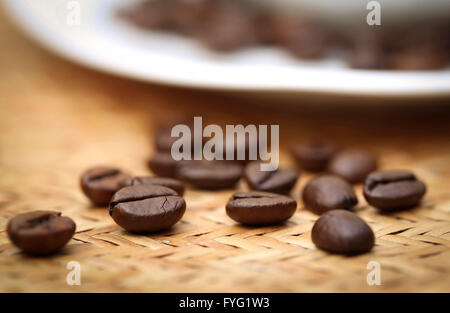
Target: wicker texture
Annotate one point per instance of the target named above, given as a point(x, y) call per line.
point(57, 119)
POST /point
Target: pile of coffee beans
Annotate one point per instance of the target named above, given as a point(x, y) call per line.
point(227, 25)
point(148, 204)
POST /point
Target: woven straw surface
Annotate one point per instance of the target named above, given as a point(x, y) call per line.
point(57, 119)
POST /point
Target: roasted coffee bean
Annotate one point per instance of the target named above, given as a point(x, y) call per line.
point(309, 41)
point(171, 183)
point(146, 208)
point(328, 192)
point(229, 25)
point(420, 58)
point(393, 190)
point(343, 232)
point(313, 157)
point(151, 14)
point(368, 52)
point(260, 208)
point(100, 183)
point(281, 180)
point(163, 139)
point(210, 175)
point(163, 164)
point(187, 15)
point(303, 39)
point(40, 232)
point(353, 165)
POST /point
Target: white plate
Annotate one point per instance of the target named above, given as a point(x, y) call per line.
point(103, 42)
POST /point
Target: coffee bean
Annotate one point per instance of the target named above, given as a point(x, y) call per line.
point(328, 192)
point(368, 51)
point(420, 58)
point(164, 140)
point(162, 164)
point(260, 208)
point(281, 180)
point(229, 25)
point(393, 190)
point(211, 175)
point(308, 41)
point(171, 183)
point(146, 208)
point(343, 232)
point(303, 39)
point(313, 157)
point(40, 232)
point(150, 14)
point(100, 183)
point(187, 14)
point(353, 165)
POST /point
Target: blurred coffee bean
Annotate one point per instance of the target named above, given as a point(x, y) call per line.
point(313, 157)
point(162, 164)
point(328, 192)
point(353, 165)
point(100, 183)
point(281, 180)
point(187, 15)
point(163, 139)
point(155, 14)
point(303, 39)
point(229, 25)
point(368, 51)
point(171, 183)
point(260, 208)
point(210, 175)
point(419, 58)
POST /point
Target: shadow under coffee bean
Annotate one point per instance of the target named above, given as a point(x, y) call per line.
point(260, 208)
point(100, 183)
point(341, 231)
point(393, 190)
point(40, 232)
point(328, 192)
point(146, 208)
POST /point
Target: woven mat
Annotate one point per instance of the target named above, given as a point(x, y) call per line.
point(206, 251)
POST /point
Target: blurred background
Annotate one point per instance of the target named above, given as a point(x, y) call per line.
point(235, 62)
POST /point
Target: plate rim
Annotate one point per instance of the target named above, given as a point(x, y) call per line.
point(31, 25)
